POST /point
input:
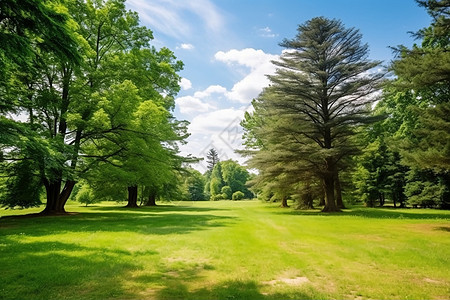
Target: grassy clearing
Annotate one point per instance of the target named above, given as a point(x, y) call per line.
point(225, 250)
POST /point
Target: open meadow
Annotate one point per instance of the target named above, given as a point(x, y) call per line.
point(225, 250)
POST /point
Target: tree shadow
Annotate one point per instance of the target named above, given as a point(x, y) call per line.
point(159, 208)
point(36, 269)
point(48, 270)
point(443, 228)
point(231, 289)
point(374, 213)
point(139, 221)
point(61, 270)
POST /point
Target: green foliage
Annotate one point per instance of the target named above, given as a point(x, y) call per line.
point(226, 178)
point(212, 158)
point(215, 187)
point(430, 139)
point(195, 183)
point(23, 187)
point(30, 26)
point(425, 189)
point(217, 197)
point(417, 130)
point(304, 123)
point(238, 195)
point(86, 196)
point(379, 174)
point(235, 176)
point(406, 158)
point(97, 96)
point(226, 192)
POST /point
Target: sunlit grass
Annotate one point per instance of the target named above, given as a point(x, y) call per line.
point(225, 250)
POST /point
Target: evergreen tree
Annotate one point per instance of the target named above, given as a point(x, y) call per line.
point(319, 94)
point(212, 158)
point(423, 78)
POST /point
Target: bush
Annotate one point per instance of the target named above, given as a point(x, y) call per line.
point(214, 187)
point(86, 196)
point(237, 195)
point(226, 192)
point(217, 197)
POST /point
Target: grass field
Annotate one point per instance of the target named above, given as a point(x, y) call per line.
point(225, 250)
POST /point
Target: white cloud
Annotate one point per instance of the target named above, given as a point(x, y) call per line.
point(267, 32)
point(189, 105)
point(185, 84)
point(219, 126)
point(260, 65)
point(218, 129)
point(198, 102)
point(248, 57)
point(214, 122)
point(207, 11)
point(212, 89)
point(187, 46)
point(173, 17)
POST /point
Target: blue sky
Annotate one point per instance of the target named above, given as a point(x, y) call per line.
point(227, 46)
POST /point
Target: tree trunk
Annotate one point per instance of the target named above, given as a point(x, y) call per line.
point(56, 199)
point(444, 184)
point(394, 198)
point(132, 196)
point(381, 198)
point(330, 203)
point(337, 182)
point(306, 201)
point(322, 198)
point(151, 199)
point(284, 202)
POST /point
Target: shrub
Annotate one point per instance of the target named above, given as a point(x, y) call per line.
point(86, 196)
point(227, 192)
point(237, 195)
point(214, 186)
point(217, 197)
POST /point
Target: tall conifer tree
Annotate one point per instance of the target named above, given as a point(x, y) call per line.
point(212, 158)
point(321, 91)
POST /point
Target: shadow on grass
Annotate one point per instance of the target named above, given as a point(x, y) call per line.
point(158, 208)
point(443, 228)
point(33, 269)
point(144, 221)
point(232, 289)
point(56, 270)
point(376, 213)
point(36, 269)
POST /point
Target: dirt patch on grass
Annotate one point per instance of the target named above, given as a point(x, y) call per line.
point(288, 277)
point(172, 274)
point(429, 280)
point(289, 281)
point(368, 237)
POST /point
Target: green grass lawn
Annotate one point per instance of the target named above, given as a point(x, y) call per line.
point(225, 250)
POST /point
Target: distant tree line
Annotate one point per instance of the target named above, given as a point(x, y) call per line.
point(223, 180)
point(407, 154)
